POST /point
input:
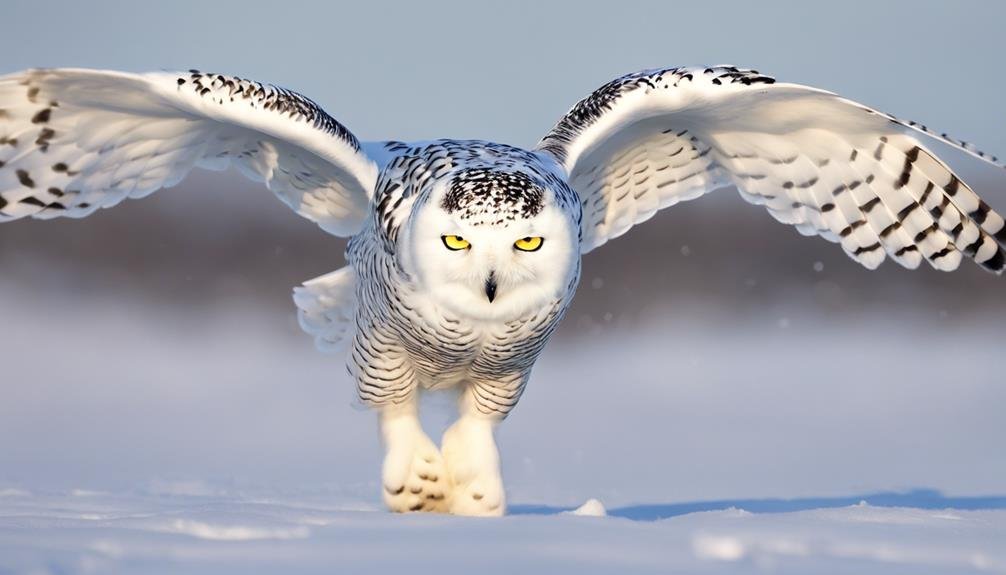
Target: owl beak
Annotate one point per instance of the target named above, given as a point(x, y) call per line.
point(491, 286)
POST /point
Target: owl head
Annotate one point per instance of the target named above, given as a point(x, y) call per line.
point(493, 244)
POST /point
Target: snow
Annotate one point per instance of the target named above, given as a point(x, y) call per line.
point(591, 508)
point(135, 439)
point(117, 533)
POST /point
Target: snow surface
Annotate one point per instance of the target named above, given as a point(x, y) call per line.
point(133, 440)
point(117, 533)
point(590, 508)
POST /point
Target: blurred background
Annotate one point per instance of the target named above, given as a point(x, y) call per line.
point(155, 344)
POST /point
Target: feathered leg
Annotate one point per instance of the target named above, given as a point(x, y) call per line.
point(414, 476)
point(472, 461)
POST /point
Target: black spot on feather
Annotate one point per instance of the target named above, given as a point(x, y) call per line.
point(25, 178)
point(42, 116)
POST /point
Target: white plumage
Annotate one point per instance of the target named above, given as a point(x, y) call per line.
point(79, 140)
point(464, 255)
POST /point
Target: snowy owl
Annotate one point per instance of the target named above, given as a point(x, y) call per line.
point(464, 255)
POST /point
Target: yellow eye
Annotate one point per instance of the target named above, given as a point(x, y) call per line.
point(529, 244)
point(455, 243)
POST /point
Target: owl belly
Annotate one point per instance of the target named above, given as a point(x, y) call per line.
point(446, 351)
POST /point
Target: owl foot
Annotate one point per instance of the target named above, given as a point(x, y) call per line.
point(414, 475)
point(472, 461)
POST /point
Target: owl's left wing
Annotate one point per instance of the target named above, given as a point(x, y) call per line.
point(73, 141)
point(823, 163)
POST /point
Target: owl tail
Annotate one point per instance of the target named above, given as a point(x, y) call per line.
point(326, 308)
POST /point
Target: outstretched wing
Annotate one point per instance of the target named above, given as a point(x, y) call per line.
point(825, 164)
point(73, 141)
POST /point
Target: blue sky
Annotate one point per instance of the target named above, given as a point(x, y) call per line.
point(507, 71)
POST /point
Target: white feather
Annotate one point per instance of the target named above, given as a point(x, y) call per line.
point(121, 135)
point(824, 164)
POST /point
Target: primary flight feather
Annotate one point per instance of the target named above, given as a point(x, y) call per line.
point(464, 255)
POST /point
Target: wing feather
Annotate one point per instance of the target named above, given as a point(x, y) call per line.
point(73, 141)
point(824, 164)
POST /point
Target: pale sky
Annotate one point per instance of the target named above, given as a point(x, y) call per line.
point(507, 71)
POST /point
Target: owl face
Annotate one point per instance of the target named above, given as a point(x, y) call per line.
point(492, 247)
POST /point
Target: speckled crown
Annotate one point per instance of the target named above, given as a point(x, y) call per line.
point(486, 196)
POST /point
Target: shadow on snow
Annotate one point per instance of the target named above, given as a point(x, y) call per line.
point(917, 498)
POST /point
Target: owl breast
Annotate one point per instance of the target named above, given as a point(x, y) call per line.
point(446, 349)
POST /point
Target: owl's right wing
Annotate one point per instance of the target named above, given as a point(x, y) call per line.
point(73, 141)
point(827, 165)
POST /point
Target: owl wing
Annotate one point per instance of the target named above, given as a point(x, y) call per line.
point(73, 141)
point(823, 163)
